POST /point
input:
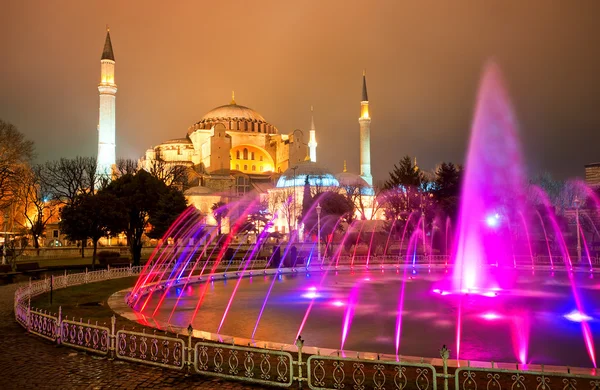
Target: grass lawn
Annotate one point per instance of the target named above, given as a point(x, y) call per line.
point(86, 301)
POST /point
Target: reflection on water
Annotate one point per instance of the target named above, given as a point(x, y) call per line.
point(532, 318)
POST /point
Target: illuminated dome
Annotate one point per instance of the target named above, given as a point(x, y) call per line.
point(317, 176)
point(347, 179)
point(235, 118)
point(233, 111)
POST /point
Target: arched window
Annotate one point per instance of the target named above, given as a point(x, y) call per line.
point(253, 168)
point(261, 168)
point(251, 155)
point(245, 154)
point(237, 167)
point(261, 158)
point(245, 167)
point(237, 154)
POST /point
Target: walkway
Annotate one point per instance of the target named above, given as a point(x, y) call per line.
point(29, 362)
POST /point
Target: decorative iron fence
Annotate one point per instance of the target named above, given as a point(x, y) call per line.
point(151, 349)
point(471, 378)
point(328, 372)
point(266, 366)
point(257, 365)
point(89, 337)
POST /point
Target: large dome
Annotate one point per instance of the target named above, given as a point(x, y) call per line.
point(317, 176)
point(233, 111)
point(235, 118)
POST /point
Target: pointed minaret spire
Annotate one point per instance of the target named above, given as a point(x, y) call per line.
point(107, 53)
point(232, 97)
point(365, 96)
point(345, 168)
point(312, 143)
point(106, 120)
point(365, 134)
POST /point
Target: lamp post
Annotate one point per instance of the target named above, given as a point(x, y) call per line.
point(5, 238)
point(577, 203)
point(294, 206)
point(319, 233)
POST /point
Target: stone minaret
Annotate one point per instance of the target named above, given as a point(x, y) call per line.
point(365, 135)
point(106, 120)
point(312, 143)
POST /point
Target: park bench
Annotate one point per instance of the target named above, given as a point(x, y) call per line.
point(7, 274)
point(113, 262)
point(32, 269)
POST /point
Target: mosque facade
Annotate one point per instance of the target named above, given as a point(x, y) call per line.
point(233, 152)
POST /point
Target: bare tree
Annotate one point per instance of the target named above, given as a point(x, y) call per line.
point(66, 178)
point(173, 175)
point(15, 154)
point(125, 166)
point(35, 198)
point(282, 202)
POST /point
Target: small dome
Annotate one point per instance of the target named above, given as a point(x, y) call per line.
point(348, 179)
point(198, 191)
point(317, 176)
point(233, 111)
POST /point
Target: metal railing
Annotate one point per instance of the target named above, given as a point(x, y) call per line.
point(272, 367)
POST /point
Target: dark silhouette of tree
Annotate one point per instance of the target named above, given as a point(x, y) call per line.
point(307, 199)
point(146, 198)
point(401, 192)
point(447, 187)
point(93, 216)
point(220, 211)
point(67, 178)
point(16, 153)
point(334, 206)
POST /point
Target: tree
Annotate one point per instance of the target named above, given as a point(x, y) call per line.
point(68, 178)
point(220, 211)
point(16, 153)
point(401, 190)
point(93, 216)
point(126, 166)
point(145, 198)
point(447, 187)
point(307, 199)
point(35, 197)
point(334, 206)
point(171, 174)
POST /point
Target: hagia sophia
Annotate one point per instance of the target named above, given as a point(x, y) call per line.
point(233, 152)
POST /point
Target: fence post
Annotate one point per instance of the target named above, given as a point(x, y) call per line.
point(29, 306)
point(190, 354)
point(112, 339)
point(299, 345)
point(445, 354)
point(86, 275)
point(59, 326)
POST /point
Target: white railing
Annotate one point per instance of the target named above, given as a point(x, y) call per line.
point(272, 367)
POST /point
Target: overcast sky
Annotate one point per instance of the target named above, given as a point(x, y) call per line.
point(176, 60)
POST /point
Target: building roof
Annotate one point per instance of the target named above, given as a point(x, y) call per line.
point(347, 179)
point(178, 141)
point(233, 111)
point(198, 191)
point(317, 176)
point(107, 53)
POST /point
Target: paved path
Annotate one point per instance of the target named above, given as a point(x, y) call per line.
point(29, 362)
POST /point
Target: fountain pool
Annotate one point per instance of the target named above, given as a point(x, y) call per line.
point(532, 318)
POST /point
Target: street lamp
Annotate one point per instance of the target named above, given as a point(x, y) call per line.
point(294, 196)
point(577, 203)
point(319, 233)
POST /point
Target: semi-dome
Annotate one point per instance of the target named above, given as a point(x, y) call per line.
point(317, 176)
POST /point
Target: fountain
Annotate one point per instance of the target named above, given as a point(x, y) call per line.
point(510, 269)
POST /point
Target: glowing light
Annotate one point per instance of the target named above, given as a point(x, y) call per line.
point(337, 303)
point(577, 316)
point(492, 220)
point(491, 316)
point(310, 295)
point(312, 288)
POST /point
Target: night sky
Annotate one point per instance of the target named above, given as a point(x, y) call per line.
point(177, 60)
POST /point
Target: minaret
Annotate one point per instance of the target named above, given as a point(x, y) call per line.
point(312, 143)
point(365, 135)
point(106, 121)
